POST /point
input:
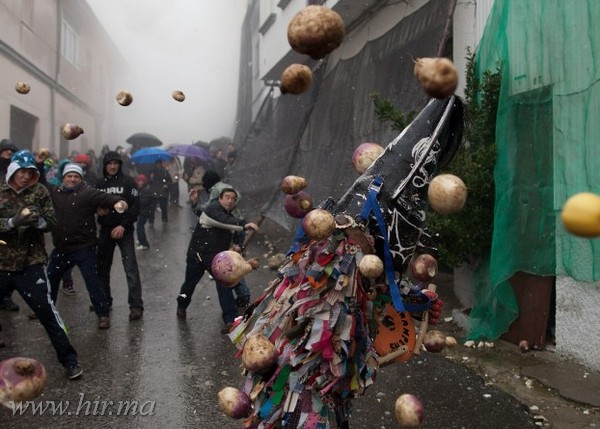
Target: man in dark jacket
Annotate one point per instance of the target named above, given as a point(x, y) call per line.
point(117, 229)
point(26, 212)
point(204, 245)
point(74, 236)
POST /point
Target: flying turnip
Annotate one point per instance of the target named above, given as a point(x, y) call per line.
point(316, 31)
point(447, 194)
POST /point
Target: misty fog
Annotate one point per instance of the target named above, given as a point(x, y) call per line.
point(187, 45)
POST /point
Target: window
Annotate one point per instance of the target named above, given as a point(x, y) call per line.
point(69, 43)
point(266, 15)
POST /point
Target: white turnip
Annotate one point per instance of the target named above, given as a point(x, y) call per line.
point(71, 131)
point(234, 403)
point(21, 379)
point(434, 341)
point(298, 205)
point(438, 76)
point(364, 155)
point(316, 31)
point(124, 98)
point(424, 267)
point(293, 184)
point(22, 87)
point(409, 410)
point(296, 79)
point(178, 96)
point(228, 267)
point(371, 266)
point(259, 354)
point(447, 194)
point(318, 224)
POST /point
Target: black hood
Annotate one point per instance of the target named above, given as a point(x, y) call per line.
point(111, 156)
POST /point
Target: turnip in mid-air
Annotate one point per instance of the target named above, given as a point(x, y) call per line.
point(71, 131)
point(234, 403)
point(318, 224)
point(259, 354)
point(316, 31)
point(21, 379)
point(298, 205)
point(447, 194)
point(22, 88)
point(296, 79)
point(228, 267)
point(424, 267)
point(438, 76)
point(178, 96)
point(371, 266)
point(293, 184)
point(409, 410)
point(364, 155)
point(124, 98)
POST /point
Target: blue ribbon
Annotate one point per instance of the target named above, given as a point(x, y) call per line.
point(372, 206)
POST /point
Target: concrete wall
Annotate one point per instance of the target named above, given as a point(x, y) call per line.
point(578, 321)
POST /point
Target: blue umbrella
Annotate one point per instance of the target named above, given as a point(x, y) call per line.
point(150, 155)
point(189, 150)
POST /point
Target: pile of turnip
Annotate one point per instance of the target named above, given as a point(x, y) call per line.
point(21, 379)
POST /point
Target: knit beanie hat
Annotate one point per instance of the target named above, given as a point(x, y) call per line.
point(209, 179)
point(141, 177)
point(72, 168)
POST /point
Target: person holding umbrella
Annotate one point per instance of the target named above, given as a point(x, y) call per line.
point(117, 229)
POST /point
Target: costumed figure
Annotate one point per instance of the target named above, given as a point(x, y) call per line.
point(327, 317)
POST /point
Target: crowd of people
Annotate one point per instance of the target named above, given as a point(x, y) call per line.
point(91, 204)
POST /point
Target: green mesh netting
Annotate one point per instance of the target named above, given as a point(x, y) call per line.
point(548, 140)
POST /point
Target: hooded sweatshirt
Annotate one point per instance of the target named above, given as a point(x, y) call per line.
point(125, 187)
point(25, 245)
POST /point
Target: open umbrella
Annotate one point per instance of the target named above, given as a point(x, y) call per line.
point(139, 140)
point(149, 155)
point(189, 151)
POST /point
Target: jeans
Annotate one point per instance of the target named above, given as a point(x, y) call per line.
point(163, 203)
point(106, 251)
point(174, 192)
point(194, 271)
point(85, 259)
point(33, 287)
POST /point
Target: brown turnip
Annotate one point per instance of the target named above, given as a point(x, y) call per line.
point(21, 379)
point(364, 155)
point(316, 31)
point(581, 215)
point(178, 95)
point(234, 403)
point(259, 354)
point(438, 76)
point(22, 87)
point(447, 194)
point(124, 98)
point(293, 184)
point(71, 131)
point(296, 79)
point(318, 224)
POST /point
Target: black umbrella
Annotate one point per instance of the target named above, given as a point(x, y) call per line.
point(139, 140)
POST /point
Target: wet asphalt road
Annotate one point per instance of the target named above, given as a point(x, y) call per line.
point(170, 371)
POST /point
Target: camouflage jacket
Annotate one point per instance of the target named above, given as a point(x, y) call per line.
point(24, 245)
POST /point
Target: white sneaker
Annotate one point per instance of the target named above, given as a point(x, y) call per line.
point(140, 247)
